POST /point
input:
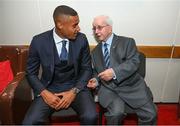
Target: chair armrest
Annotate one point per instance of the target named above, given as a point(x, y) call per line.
point(15, 100)
point(10, 89)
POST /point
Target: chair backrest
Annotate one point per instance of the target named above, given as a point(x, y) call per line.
point(142, 72)
point(17, 56)
point(12, 55)
point(142, 66)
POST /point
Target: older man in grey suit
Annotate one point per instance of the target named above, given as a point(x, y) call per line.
point(116, 61)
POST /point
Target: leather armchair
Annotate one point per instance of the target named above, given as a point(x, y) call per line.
point(12, 102)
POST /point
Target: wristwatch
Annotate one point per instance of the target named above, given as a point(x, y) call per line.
point(75, 90)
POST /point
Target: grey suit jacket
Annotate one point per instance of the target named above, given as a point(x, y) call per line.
point(129, 85)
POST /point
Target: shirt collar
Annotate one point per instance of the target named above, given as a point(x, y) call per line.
point(109, 40)
point(57, 39)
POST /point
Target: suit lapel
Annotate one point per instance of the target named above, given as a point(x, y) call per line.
point(51, 47)
point(113, 48)
point(100, 58)
point(71, 52)
point(72, 56)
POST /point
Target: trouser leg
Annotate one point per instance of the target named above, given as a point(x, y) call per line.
point(115, 112)
point(147, 114)
point(85, 106)
point(114, 120)
point(38, 113)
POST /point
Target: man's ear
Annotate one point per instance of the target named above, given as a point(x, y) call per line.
point(59, 25)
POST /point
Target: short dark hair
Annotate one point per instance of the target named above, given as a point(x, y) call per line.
point(64, 10)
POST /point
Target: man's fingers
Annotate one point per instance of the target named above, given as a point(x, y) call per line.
point(54, 103)
point(102, 74)
point(61, 105)
point(59, 94)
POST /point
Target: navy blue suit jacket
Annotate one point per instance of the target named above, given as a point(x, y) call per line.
point(41, 52)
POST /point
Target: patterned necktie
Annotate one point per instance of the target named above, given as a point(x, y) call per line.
point(106, 55)
point(64, 53)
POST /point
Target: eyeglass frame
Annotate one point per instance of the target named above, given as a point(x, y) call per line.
point(98, 27)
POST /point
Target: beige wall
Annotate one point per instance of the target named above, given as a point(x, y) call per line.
point(150, 22)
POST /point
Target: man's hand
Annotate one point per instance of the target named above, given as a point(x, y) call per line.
point(92, 83)
point(67, 98)
point(50, 99)
point(106, 75)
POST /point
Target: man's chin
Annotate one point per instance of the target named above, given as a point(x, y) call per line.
point(72, 38)
point(99, 39)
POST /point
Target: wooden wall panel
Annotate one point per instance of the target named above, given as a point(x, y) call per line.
point(149, 51)
point(176, 52)
point(157, 51)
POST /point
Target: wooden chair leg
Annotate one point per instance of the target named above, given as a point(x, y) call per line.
point(179, 108)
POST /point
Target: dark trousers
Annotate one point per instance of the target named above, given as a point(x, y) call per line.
point(39, 112)
point(147, 114)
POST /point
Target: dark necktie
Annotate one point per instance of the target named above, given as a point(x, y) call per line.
point(64, 53)
point(106, 55)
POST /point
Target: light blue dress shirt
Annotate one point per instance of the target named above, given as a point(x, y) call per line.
point(108, 42)
point(58, 42)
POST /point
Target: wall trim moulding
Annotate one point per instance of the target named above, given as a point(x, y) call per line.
point(149, 51)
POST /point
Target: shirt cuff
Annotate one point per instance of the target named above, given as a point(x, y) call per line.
point(114, 75)
point(97, 83)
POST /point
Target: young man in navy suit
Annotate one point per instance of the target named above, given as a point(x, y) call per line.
point(64, 56)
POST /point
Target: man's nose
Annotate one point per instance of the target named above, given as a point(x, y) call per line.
point(96, 31)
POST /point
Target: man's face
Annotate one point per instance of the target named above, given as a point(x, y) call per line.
point(101, 30)
point(67, 26)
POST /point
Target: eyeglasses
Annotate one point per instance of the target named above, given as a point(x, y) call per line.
point(98, 27)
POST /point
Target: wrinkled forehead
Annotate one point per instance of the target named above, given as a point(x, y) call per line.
point(101, 20)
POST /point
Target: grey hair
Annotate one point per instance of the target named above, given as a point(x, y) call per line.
point(106, 19)
point(109, 21)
